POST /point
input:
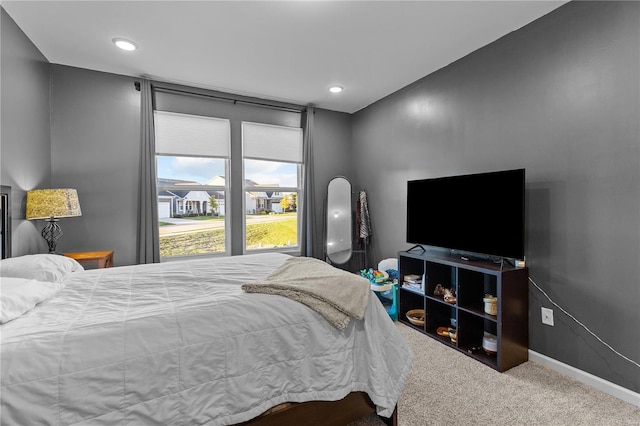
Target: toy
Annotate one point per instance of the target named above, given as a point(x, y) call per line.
point(394, 274)
point(374, 275)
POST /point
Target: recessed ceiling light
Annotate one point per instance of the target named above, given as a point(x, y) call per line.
point(336, 89)
point(125, 44)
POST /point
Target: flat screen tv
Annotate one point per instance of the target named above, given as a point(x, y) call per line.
point(480, 214)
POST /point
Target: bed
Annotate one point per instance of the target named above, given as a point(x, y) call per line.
point(180, 343)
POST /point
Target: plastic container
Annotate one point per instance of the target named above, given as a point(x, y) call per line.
point(490, 304)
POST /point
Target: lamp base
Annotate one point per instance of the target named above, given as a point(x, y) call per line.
point(51, 232)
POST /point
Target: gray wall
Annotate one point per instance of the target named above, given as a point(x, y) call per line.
point(560, 98)
point(95, 148)
point(25, 149)
point(332, 155)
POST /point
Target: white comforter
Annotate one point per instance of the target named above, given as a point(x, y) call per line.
point(179, 343)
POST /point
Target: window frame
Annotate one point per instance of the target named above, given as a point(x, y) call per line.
point(186, 187)
point(236, 109)
point(296, 248)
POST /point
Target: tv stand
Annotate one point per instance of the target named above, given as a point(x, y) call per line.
point(471, 280)
point(470, 258)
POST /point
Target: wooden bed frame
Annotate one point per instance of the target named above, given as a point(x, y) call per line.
point(354, 406)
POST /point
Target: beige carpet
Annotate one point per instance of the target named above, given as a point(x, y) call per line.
point(448, 388)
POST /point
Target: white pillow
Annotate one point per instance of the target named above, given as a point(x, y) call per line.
point(42, 267)
point(19, 295)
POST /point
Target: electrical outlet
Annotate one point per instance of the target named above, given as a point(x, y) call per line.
point(547, 316)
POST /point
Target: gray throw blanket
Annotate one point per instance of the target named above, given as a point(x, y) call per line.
point(335, 294)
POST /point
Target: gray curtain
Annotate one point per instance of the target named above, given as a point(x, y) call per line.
point(308, 222)
point(148, 234)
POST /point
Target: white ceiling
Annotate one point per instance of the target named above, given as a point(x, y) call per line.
point(282, 50)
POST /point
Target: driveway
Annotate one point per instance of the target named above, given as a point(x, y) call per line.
point(181, 226)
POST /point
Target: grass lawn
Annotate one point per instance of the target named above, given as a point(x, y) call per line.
point(272, 234)
point(269, 234)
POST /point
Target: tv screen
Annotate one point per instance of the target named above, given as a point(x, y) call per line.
point(479, 213)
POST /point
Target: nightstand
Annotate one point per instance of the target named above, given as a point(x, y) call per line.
point(104, 259)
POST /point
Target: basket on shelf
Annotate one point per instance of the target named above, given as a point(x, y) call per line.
point(416, 316)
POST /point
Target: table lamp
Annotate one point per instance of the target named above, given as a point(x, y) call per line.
point(52, 204)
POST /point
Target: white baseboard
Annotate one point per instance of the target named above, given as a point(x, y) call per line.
point(612, 389)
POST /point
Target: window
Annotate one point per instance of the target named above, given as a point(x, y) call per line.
point(272, 166)
point(245, 156)
point(192, 161)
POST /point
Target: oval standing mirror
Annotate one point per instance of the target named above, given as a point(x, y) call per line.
point(339, 223)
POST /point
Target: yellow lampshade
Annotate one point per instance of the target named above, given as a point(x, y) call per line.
point(48, 203)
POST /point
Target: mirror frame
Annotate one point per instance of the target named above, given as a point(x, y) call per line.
point(339, 221)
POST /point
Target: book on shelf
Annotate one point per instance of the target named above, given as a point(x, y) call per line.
point(413, 286)
point(413, 278)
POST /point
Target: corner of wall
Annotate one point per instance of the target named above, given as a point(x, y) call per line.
point(25, 137)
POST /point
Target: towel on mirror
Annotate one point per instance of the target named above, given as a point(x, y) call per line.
point(335, 294)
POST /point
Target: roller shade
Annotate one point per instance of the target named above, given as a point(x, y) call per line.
point(269, 142)
point(192, 135)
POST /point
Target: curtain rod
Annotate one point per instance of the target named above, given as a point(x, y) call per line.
point(300, 109)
